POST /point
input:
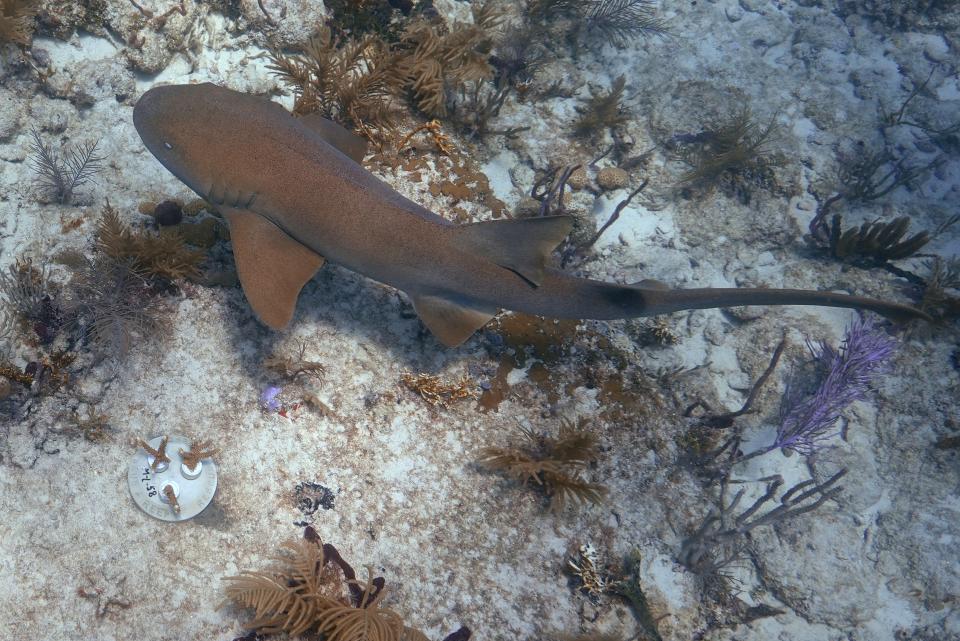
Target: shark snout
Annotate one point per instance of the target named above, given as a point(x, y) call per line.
point(151, 111)
point(156, 105)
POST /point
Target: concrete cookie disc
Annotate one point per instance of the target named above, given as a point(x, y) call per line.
point(192, 488)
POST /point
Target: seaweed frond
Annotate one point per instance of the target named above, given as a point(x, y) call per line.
point(292, 367)
point(614, 21)
point(943, 275)
point(16, 20)
point(58, 177)
point(604, 110)
point(620, 20)
point(375, 17)
point(518, 57)
point(543, 10)
point(554, 464)
point(150, 255)
point(8, 326)
point(875, 241)
point(867, 175)
point(113, 305)
point(94, 427)
point(733, 145)
point(31, 300)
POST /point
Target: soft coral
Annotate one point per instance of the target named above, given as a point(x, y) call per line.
point(16, 20)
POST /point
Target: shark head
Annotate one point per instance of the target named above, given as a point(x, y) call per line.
point(165, 118)
point(199, 132)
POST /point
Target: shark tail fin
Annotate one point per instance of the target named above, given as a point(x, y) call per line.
point(522, 246)
point(661, 301)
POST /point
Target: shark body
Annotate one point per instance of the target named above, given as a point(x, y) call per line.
point(294, 195)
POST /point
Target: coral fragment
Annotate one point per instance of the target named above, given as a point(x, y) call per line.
point(436, 392)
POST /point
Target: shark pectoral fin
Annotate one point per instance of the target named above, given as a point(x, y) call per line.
point(521, 245)
point(452, 324)
point(273, 267)
point(352, 145)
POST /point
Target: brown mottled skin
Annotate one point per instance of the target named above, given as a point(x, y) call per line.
point(250, 155)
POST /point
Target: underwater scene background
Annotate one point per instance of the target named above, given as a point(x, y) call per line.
point(173, 468)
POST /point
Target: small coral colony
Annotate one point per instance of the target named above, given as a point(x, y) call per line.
point(423, 90)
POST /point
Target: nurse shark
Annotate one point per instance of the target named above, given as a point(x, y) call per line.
point(294, 195)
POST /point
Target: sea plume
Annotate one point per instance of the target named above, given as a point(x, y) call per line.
point(808, 420)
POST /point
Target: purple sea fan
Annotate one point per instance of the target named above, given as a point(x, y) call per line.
point(807, 421)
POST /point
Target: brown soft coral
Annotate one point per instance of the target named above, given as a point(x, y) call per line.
point(553, 463)
point(16, 21)
point(350, 81)
point(304, 592)
point(440, 60)
point(163, 256)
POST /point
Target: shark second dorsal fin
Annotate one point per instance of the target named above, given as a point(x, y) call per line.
point(452, 324)
point(272, 266)
point(522, 246)
point(352, 145)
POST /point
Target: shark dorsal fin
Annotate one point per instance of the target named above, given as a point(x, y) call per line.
point(451, 323)
point(521, 245)
point(352, 145)
point(272, 266)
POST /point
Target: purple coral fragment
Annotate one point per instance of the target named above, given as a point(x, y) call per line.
point(807, 421)
point(268, 399)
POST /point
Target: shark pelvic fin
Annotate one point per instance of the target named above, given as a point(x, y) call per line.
point(452, 324)
point(272, 266)
point(522, 246)
point(352, 145)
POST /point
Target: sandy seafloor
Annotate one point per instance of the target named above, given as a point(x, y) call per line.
point(459, 545)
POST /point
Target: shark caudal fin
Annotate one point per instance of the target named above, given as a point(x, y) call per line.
point(658, 300)
point(522, 246)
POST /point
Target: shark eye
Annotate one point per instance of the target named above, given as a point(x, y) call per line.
point(168, 145)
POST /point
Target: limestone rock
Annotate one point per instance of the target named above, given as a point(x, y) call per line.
point(9, 114)
point(91, 81)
